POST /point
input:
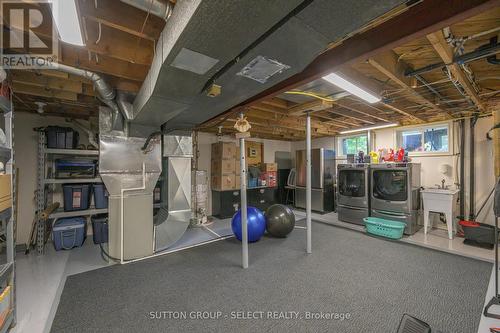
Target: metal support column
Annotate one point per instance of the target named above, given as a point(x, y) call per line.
point(243, 187)
point(308, 182)
point(40, 194)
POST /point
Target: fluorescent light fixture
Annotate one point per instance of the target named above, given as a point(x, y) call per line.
point(363, 129)
point(352, 88)
point(66, 19)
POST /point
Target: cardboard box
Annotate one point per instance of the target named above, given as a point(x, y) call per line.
point(237, 182)
point(219, 167)
point(5, 192)
point(270, 177)
point(223, 150)
point(223, 182)
point(267, 167)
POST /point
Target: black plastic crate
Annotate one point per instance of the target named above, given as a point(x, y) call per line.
point(61, 137)
point(100, 228)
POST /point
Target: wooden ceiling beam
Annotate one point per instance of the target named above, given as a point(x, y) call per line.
point(388, 64)
point(43, 92)
point(277, 102)
point(120, 16)
point(118, 44)
point(296, 122)
point(33, 79)
point(446, 53)
point(269, 108)
point(345, 114)
point(371, 114)
point(312, 106)
point(79, 57)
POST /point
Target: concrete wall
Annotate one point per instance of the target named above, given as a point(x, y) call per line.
point(26, 143)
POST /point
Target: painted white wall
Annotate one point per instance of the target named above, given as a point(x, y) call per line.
point(430, 175)
point(25, 145)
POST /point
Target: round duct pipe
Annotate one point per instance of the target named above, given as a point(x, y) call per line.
point(159, 8)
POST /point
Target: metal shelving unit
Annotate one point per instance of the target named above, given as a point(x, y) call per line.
point(46, 186)
point(7, 216)
point(72, 180)
point(92, 211)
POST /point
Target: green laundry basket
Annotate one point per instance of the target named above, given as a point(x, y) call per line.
point(385, 228)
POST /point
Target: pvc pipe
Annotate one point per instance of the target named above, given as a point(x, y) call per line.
point(244, 222)
point(308, 182)
point(122, 209)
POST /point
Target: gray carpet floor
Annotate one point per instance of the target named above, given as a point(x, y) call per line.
point(368, 282)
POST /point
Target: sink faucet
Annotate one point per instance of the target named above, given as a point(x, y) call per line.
point(442, 186)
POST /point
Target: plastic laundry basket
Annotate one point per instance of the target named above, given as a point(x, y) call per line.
point(385, 228)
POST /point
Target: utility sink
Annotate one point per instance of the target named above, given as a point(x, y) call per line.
point(440, 191)
point(440, 200)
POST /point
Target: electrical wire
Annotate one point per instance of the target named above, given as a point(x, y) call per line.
point(311, 94)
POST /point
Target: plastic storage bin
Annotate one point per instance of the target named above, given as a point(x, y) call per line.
point(253, 182)
point(478, 234)
point(76, 168)
point(68, 233)
point(385, 228)
point(100, 196)
point(100, 228)
point(76, 197)
point(61, 137)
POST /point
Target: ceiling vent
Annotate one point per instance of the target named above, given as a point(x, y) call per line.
point(193, 61)
point(262, 69)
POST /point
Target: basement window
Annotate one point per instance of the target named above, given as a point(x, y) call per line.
point(353, 144)
point(428, 139)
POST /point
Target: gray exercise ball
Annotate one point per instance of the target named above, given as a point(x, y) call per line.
point(280, 220)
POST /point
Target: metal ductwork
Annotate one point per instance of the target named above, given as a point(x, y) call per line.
point(242, 47)
point(106, 93)
point(159, 8)
point(130, 175)
point(174, 215)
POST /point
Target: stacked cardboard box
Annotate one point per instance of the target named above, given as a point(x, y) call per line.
point(269, 174)
point(223, 166)
point(5, 193)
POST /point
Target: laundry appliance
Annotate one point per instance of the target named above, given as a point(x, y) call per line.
point(395, 193)
point(353, 192)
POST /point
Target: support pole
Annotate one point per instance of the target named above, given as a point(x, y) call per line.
point(308, 182)
point(243, 187)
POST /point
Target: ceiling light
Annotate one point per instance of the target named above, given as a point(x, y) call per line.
point(352, 88)
point(369, 128)
point(66, 19)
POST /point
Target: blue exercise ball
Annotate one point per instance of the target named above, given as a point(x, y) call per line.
point(256, 224)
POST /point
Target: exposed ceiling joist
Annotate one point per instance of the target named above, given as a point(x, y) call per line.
point(31, 78)
point(79, 57)
point(117, 44)
point(348, 114)
point(372, 85)
point(446, 53)
point(123, 17)
point(312, 106)
point(43, 92)
point(389, 65)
